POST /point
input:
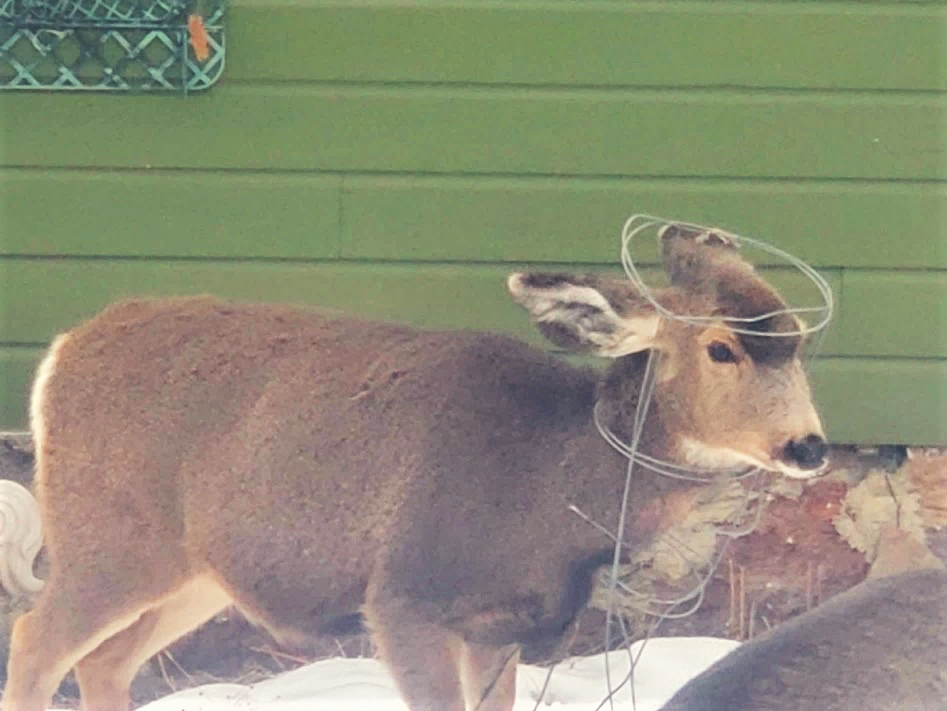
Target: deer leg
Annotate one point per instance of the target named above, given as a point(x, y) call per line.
point(421, 656)
point(106, 673)
point(488, 676)
point(49, 640)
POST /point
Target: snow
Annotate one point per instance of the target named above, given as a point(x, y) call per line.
point(665, 665)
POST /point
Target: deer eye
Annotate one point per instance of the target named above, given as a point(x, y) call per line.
point(721, 353)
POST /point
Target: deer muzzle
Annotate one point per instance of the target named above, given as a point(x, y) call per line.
point(807, 453)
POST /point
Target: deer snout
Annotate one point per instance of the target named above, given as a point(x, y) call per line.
point(806, 453)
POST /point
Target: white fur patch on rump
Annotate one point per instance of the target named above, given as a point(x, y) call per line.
point(38, 399)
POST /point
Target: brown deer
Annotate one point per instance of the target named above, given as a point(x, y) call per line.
point(881, 646)
point(309, 468)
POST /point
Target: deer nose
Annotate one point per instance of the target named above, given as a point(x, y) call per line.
point(807, 453)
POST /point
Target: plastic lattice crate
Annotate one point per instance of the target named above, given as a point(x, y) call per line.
point(130, 45)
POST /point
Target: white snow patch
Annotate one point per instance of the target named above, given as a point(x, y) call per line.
point(665, 665)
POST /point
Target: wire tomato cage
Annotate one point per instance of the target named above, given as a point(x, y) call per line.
point(636, 225)
point(750, 513)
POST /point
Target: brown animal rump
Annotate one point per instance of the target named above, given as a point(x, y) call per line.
point(881, 646)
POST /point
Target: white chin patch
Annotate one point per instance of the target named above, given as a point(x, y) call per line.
point(794, 473)
point(703, 456)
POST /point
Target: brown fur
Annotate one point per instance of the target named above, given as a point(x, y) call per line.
point(307, 467)
point(881, 646)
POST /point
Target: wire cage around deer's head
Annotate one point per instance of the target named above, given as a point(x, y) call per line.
point(130, 45)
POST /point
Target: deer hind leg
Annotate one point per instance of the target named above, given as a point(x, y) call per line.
point(421, 656)
point(46, 643)
point(105, 674)
point(488, 676)
point(71, 618)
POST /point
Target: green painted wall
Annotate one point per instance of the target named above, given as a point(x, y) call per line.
point(399, 158)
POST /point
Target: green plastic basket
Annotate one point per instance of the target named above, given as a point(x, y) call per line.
point(116, 45)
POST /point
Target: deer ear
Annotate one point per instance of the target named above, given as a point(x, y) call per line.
point(585, 314)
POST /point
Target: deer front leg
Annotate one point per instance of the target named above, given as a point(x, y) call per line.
point(488, 676)
point(421, 656)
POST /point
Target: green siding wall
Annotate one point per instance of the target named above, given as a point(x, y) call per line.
point(399, 158)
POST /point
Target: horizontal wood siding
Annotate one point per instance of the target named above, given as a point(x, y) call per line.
point(800, 45)
point(483, 130)
point(883, 399)
point(17, 365)
point(53, 294)
point(457, 218)
point(398, 159)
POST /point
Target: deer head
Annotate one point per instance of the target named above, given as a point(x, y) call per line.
point(731, 390)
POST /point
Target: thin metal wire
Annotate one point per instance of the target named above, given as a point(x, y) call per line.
point(632, 228)
point(636, 224)
point(641, 411)
point(702, 581)
point(545, 686)
point(697, 592)
point(662, 466)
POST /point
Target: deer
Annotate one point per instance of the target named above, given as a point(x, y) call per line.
point(878, 646)
point(317, 470)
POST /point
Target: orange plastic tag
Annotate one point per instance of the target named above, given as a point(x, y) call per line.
point(198, 34)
